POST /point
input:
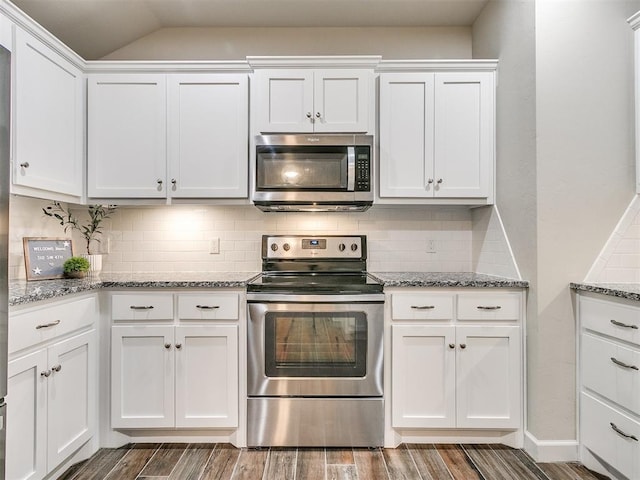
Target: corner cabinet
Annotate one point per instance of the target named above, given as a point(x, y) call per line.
point(48, 120)
point(52, 386)
point(472, 344)
point(175, 374)
point(437, 137)
point(157, 136)
point(609, 384)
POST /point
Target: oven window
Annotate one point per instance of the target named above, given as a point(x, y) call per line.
point(295, 168)
point(308, 344)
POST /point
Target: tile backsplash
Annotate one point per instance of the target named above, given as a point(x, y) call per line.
point(178, 237)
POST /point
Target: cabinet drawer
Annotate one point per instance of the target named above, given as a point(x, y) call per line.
point(149, 306)
point(607, 433)
point(493, 306)
point(210, 306)
point(421, 306)
point(50, 321)
point(611, 370)
point(614, 319)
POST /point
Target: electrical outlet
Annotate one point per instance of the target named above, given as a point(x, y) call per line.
point(431, 246)
point(214, 246)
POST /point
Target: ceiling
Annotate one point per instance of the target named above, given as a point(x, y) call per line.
point(95, 28)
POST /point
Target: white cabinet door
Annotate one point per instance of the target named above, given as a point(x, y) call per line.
point(464, 134)
point(47, 119)
point(142, 376)
point(126, 136)
point(406, 135)
point(208, 122)
point(488, 372)
point(207, 376)
point(284, 100)
point(26, 454)
point(423, 376)
point(304, 100)
point(71, 392)
point(341, 100)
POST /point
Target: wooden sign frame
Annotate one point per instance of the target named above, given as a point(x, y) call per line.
point(44, 257)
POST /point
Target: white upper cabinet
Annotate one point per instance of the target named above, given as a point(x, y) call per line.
point(208, 134)
point(437, 136)
point(308, 100)
point(126, 136)
point(6, 32)
point(48, 111)
point(168, 136)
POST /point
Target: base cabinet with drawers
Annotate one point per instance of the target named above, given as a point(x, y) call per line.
point(52, 382)
point(456, 359)
point(174, 360)
point(609, 396)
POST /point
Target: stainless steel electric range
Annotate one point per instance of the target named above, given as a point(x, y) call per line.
point(315, 369)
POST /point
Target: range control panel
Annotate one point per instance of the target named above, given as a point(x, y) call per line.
point(293, 247)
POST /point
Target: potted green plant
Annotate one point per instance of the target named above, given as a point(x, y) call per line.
point(76, 267)
point(91, 231)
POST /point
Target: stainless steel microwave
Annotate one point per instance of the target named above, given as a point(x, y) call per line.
point(313, 172)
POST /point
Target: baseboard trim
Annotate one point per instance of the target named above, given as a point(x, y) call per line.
point(551, 450)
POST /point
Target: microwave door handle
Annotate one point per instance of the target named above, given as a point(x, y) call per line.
point(351, 169)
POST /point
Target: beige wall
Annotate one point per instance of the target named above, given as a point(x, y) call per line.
point(238, 43)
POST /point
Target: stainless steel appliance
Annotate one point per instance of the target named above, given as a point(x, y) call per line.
point(315, 350)
point(313, 172)
point(5, 83)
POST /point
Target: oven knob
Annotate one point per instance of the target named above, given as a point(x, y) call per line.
point(341, 247)
point(286, 247)
point(354, 247)
point(274, 247)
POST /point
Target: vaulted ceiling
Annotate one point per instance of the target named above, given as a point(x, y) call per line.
point(94, 28)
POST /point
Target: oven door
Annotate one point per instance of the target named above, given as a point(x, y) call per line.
point(331, 347)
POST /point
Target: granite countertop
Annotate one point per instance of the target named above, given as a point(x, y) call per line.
point(21, 292)
point(446, 279)
point(630, 291)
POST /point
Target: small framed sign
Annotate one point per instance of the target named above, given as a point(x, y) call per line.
point(43, 257)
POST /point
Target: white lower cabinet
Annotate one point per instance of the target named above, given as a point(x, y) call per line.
point(609, 386)
point(449, 373)
point(176, 375)
point(51, 405)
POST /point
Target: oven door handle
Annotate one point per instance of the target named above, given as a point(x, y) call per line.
point(351, 169)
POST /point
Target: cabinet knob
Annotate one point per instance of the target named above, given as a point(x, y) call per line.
point(45, 374)
point(178, 346)
point(56, 368)
point(24, 164)
point(318, 115)
point(439, 181)
point(452, 345)
point(308, 114)
point(167, 346)
point(430, 181)
point(463, 346)
point(174, 181)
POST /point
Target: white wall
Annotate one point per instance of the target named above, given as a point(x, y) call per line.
point(237, 43)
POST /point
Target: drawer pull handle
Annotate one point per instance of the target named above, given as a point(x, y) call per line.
point(488, 307)
point(141, 307)
point(620, 432)
point(47, 325)
point(622, 364)
point(620, 324)
point(423, 307)
point(207, 307)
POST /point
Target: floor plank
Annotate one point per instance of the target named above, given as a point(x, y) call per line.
point(342, 472)
point(559, 471)
point(133, 462)
point(518, 460)
point(491, 466)
point(221, 463)
point(281, 463)
point(164, 461)
point(311, 464)
point(340, 456)
point(400, 465)
point(429, 462)
point(370, 464)
point(192, 462)
point(251, 464)
point(458, 463)
point(100, 464)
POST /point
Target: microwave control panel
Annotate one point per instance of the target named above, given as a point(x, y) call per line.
point(363, 169)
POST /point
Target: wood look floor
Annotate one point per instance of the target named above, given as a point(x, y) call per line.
point(407, 462)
